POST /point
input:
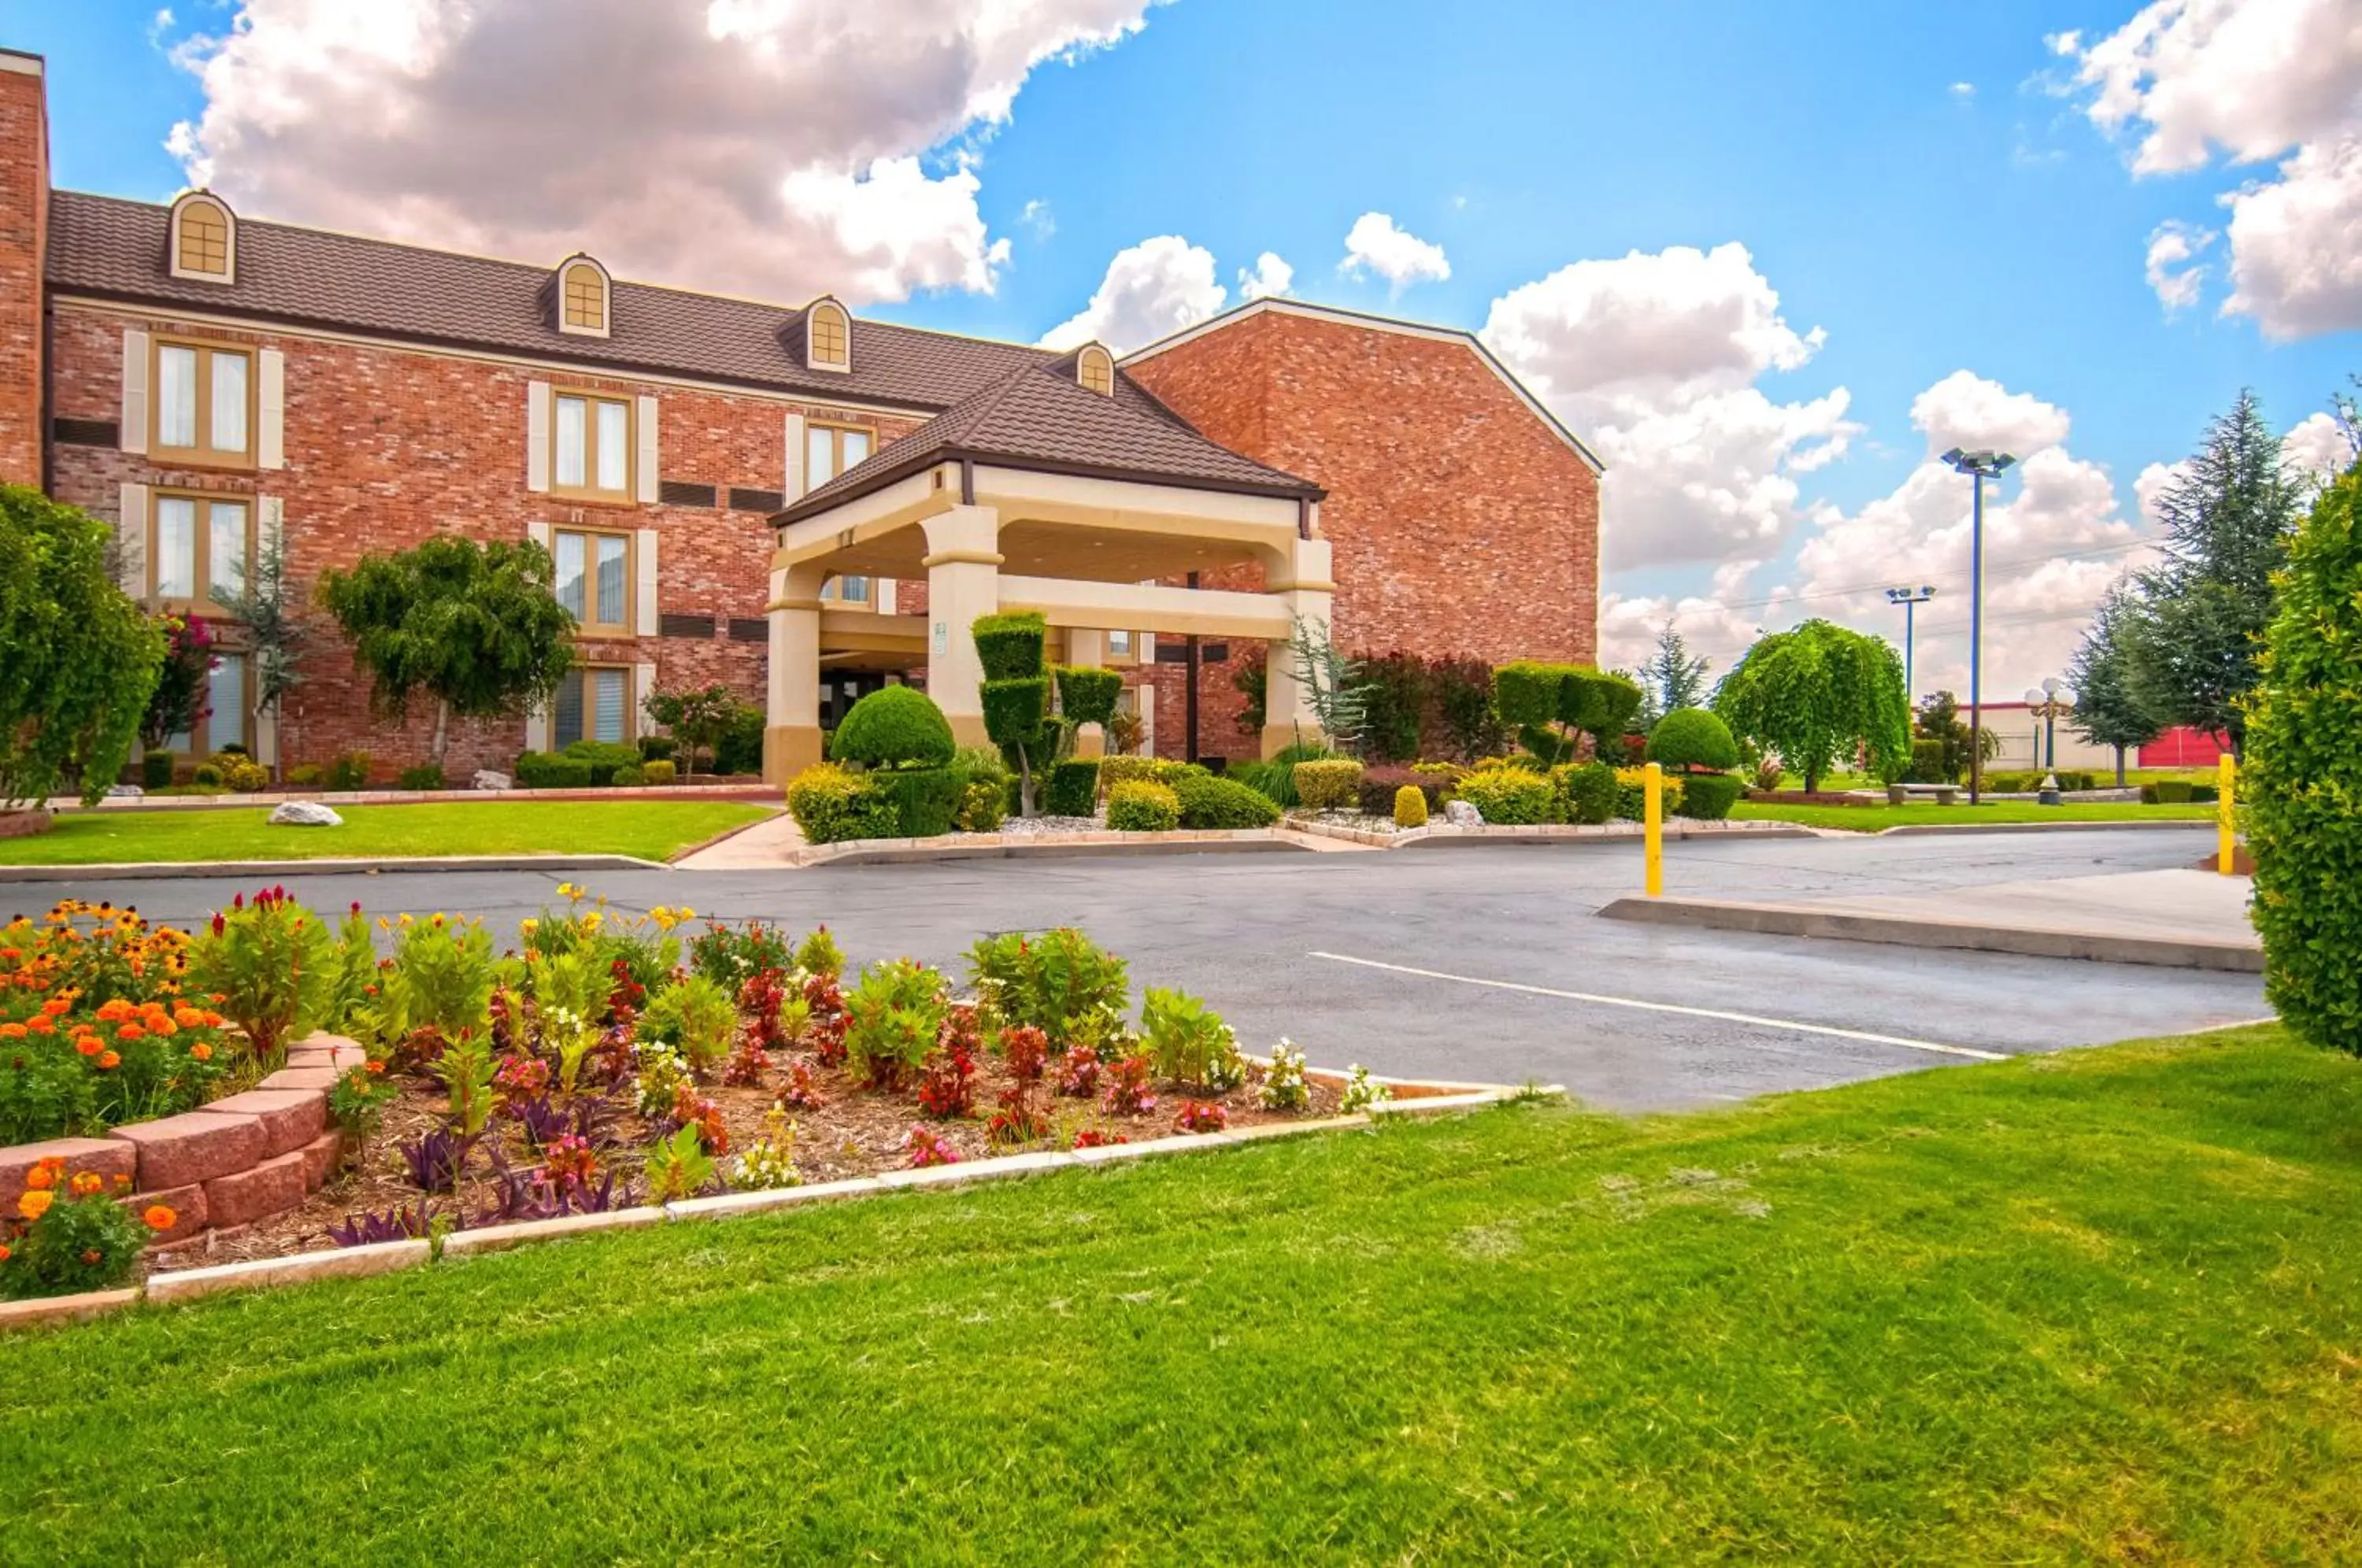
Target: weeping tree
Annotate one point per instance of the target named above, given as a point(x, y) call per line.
point(474, 628)
point(1818, 694)
point(78, 660)
point(1017, 694)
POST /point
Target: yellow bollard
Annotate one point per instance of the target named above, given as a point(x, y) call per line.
point(1654, 816)
point(2226, 834)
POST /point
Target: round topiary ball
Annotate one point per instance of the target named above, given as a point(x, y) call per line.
point(1692, 737)
point(894, 726)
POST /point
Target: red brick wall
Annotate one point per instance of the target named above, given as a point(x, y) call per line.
point(24, 230)
point(387, 446)
point(1460, 523)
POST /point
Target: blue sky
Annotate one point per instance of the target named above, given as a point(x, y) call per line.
point(1926, 185)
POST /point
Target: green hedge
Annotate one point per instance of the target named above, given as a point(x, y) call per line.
point(660, 770)
point(1692, 737)
point(1211, 802)
point(894, 726)
point(1138, 806)
point(1073, 790)
point(1586, 792)
point(1010, 645)
point(1088, 693)
point(1016, 706)
point(925, 800)
point(631, 775)
point(1525, 692)
point(552, 770)
point(1708, 797)
point(1507, 795)
point(740, 749)
point(1115, 770)
point(604, 758)
point(830, 805)
point(1330, 784)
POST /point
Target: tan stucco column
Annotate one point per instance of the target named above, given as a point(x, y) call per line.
point(962, 564)
point(1288, 715)
point(1087, 648)
point(791, 731)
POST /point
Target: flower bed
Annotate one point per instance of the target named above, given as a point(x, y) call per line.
point(617, 1061)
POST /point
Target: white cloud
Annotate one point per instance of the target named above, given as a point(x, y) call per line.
point(2174, 270)
point(1654, 357)
point(2317, 450)
point(1151, 289)
point(1964, 92)
point(775, 148)
point(1269, 275)
point(2151, 485)
point(1376, 245)
point(2254, 81)
point(1039, 220)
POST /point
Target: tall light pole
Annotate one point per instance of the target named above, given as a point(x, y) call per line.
point(1910, 598)
point(1980, 467)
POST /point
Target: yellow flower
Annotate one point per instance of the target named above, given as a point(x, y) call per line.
point(36, 1203)
point(529, 925)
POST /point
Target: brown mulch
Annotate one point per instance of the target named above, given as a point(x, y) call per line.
point(858, 1132)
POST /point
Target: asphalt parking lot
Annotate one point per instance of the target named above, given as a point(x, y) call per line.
point(1474, 962)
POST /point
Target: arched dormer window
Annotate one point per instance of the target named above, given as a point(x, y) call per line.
point(828, 337)
point(1095, 369)
point(584, 297)
point(203, 239)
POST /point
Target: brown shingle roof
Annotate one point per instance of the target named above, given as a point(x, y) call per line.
point(1040, 417)
point(115, 250)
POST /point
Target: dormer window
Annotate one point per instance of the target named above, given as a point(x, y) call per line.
point(203, 239)
point(1095, 369)
point(828, 337)
point(582, 297)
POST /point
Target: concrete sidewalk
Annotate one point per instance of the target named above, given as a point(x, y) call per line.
point(2187, 920)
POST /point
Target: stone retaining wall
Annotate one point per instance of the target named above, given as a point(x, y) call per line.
point(225, 1164)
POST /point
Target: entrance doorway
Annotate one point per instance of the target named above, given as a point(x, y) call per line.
point(842, 690)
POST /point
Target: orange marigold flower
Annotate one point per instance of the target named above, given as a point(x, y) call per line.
point(108, 1062)
point(158, 1023)
point(86, 1182)
point(91, 1255)
point(158, 1218)
point(57, 1007)
point(201, 1052)
point(188, 1017)
point(131, 1032)
point(12, 1032)
point(44, 1174)
point(122, 1182)
point(42, 1023)
point(89, 1044)
point(36, 1203)
point(5, 1254)
point(114, 1011)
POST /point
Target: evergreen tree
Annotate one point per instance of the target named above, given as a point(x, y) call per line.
point(2227, 521)
point(1672, 678)
point(2108, 709)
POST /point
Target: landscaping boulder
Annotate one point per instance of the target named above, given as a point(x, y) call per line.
point(304, 813)
point(1460, 813)
point(488, 779)
point(125, 792)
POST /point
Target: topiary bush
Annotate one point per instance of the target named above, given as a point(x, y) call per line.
point(660, 770)
point(550, 771)
point(1115, 770)
point(1692, 737)
point(1507, 795)
point(925, 800)
point(830, 805)
point(1211, 802)
point(156, 770)
point(425, 776)
point(1410, 808)
point(1524, 691)
point(1586, 792)
point(1708, 797)
point(1379, 786)
point(1088, 693)
point(2173, 792)
point(1009, 645)
point(2303, 778)
point(1329, 786)
point(1138, 806)
point(894, 726)
point(631, 775)
point(1074, 789)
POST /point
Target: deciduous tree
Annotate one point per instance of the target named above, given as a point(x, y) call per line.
point(1817, 694)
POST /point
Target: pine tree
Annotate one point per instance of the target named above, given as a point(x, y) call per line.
point(2227, 522)
point(1672, 678)
point(2108, 710)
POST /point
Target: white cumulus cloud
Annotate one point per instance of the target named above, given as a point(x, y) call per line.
point(1377, 245)
point(1151, 289)
point(777, 148)
point(2173, 267)
point(2317, 450)
point(1269, 275)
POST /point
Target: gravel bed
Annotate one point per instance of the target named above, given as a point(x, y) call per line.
point(1026, 827)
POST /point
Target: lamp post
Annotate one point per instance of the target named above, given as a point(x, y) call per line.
point(1910, 598)
point(2049, 703)
point(1980, 467)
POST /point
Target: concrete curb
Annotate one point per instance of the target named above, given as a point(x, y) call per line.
point(1804, 920)
point(1911, 830)
point(191, 870)
point(1600, 833)
point(1044, 846)
point(113, 805)
point(388, 1257)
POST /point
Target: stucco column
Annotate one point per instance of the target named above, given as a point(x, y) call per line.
point(791, 731)
point(1310, 596)
point(962, 564)
point(1087, 648)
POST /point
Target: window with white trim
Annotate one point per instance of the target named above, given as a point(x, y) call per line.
point(831, 449)
point(594, 579)
point(591, 447)
point(848, 590)
point(203, 405)
point(593, 703)
point(199, 547)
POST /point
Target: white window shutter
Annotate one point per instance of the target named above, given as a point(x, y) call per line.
point(537, 435)
point(795, 485)
point(883, 595)
point(133, 431)
point(644, 686)
point(270, 410)
point(131, 540)
point(647, 424)
point(645, 551)
point(538, 533)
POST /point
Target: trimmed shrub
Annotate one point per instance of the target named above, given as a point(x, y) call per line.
point(305, 776)
point(1379, 786)
point(244, 774)
point(1017, 706)
point(1586, 792)
point(2204, 794)
point(983, 805)
point(1211, 802)
point(660, 770)
point(894, 726)
point(1410, 808)
point(925, 800)
point(604, 758)
point(1332, 784)
point(349, 772)
point(1692, 737)
point(1009, 645)
point(156, 770)
point(2173, 792)
point(740, 749)
point(1138, 806)
point(1928, 763)
point(1073, 790)
point(657, 748)
point(552, 770)
point(830, 805)
point(425, 776)
point(1115, 770)
point(1524, 691)
point(1708, 797)
point(1507, 795)
point(1088, 693)
point(1632, 793)
point(631, 775)
point(207, 775)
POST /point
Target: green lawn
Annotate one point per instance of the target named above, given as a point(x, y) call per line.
point(1871, 819)
point(650, 829)
point(2103, 1306)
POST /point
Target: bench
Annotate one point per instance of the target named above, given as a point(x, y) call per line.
point(1946, 794)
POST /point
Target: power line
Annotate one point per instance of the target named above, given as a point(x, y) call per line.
point(1692, 601)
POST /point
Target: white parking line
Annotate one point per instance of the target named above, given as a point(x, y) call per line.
point(1759, 1021)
